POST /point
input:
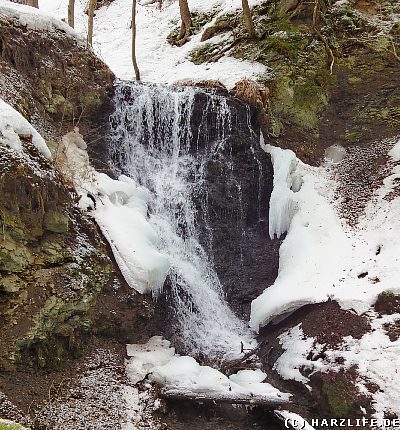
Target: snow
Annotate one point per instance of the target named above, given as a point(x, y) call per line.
point(375, 357)
point(121, 213)
point(157, 360)
point(293, 420)
point(335, 154)
point(395, 152)
point(321, 258)
point(313, 238)
point(35, 19)
point(296, 348)
point(158, 61)
point(283, 204)
point(13, 125)
point(122, 217)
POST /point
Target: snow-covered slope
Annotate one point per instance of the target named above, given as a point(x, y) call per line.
point(321, 257)
point(158, 60)
point(35, 19)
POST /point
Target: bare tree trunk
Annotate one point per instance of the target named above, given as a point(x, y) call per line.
point(71, 13)
point(248, 20)
point(186, 22)
point(133, 26)
point(92, 8)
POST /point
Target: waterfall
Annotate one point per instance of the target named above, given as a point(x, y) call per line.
point(153, 141)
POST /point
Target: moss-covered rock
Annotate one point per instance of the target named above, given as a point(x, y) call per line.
point(14, 257)
point(54, 77)
point(199, 20)
point(57, 222)
point(52, 265)
point(345, 64)
point(11, 425)
point(10, 284)
point(339, 405)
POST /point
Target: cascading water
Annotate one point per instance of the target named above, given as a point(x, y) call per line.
point(153, 143)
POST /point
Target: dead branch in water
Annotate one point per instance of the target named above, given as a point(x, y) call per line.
point(239, 361)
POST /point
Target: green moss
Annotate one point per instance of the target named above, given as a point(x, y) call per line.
point(10, 284)
point(56, 311)
point(11, 425)
point(222, 24)
point(14, 257)
point(55, 252)
point(59, 104)
point(12, 224)
point(199, 20)
point(204, 53)
point(352, 136)
point(301, 98)
point(56, 222)
point(338, 404)
point(91, 99)
point(56, 327)
point(354, 80)
point(345, 19)
point(289, 46)
point(390, 115)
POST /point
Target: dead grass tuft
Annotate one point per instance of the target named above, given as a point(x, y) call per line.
point(251, 92)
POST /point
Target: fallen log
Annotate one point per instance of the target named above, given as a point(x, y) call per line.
point(266, 401)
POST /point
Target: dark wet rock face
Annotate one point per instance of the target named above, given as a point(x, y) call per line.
point(233, 212)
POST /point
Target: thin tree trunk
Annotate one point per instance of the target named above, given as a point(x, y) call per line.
point(186, 22)
point(133, 25)
point(92, 7)
point(248, 20)
point(71, 13)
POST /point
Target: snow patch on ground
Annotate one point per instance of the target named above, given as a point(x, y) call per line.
point(294, 420)
point(395, 152)
point(378, 360)
point(375, 355)
point(321, 258)
point(157, 360)
point(13, 126)
point(158, 61)
point(296, 348)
